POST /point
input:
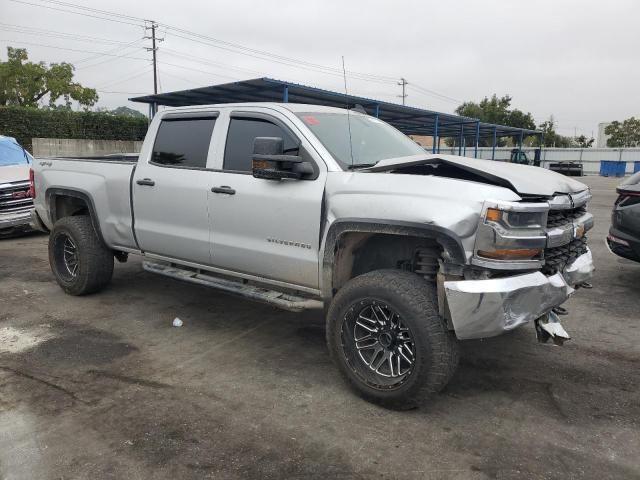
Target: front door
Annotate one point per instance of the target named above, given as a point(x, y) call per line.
point(266, 228)
point(170, 190)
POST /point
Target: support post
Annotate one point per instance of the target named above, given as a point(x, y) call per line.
point(495, 140)
point(377, 110)
point(520, 141)
point(475, 148)
point(435, 134)
point(285, 94)
point(460, 139)
point(438, 145)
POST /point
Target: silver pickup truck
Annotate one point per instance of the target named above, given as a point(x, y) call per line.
point(306, 207)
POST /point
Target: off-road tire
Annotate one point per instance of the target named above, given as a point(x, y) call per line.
point(94, 259)
point(414, 299)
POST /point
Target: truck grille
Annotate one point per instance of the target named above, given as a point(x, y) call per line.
point(558, 218)
point(14, 197)
point(557, 258)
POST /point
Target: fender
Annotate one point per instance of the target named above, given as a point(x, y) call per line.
point(53, 192)
point(449, 241)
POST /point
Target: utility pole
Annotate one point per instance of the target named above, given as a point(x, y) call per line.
point(403, 82)
point(154, 49)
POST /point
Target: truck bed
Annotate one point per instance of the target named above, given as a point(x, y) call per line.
point(106, 182)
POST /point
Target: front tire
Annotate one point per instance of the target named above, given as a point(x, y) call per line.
point(80, 261)
point(388, 340)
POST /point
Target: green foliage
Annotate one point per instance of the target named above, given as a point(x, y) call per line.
point(24, 83)
point(127, 112)
point(496, 110)
point(27, 123)
point(553, 139)
point(584, 142)
point(124, 111)
point(623, 134)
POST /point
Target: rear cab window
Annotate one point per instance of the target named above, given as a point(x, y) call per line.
point(183, 141)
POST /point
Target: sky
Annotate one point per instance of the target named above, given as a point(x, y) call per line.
point(575, 60)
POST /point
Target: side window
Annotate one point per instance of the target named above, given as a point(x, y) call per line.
point(183, 142)
point(242, 132)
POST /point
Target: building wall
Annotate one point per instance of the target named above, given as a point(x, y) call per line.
point(69, 147)
point(601, 140)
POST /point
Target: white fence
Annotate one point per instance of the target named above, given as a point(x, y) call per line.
point(71, 147)
point(590, 158)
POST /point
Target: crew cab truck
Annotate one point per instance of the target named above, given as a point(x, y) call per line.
point(304, 207)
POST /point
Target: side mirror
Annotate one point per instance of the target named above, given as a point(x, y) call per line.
point(270, 162)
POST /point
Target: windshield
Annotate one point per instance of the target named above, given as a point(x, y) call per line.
point(372, 139)
point(11, 153)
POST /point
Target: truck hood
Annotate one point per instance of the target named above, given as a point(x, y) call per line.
point(14, 173)
point(522, 179)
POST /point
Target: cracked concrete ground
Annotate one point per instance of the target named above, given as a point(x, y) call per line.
point(104, 387)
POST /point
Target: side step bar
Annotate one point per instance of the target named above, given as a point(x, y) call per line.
point(286, 301)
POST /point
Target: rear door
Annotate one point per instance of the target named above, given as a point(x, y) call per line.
point(266, 228)
point(170, 189)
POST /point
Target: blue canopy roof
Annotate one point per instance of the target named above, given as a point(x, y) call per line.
point(409, 120)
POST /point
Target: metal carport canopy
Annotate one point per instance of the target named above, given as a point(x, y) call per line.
point(409, 120)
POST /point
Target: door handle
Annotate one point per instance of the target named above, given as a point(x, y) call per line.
point(224, 189)
point(146, 181)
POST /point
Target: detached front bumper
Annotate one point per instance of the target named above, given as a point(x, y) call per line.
point(486, 308)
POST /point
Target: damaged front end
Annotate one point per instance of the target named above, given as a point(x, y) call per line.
point(513, 240)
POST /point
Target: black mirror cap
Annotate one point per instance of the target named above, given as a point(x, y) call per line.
point(268, 146)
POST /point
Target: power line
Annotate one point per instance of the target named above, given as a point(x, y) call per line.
point(198, 70)
point(94, 10)
point(106, 53)
point(69, 49)
point(229, 46)
point(122, 93)
point(52, 33)
point(426, 91)
point(77, 13)
point(131, 77)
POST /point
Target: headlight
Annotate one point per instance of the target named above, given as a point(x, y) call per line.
point(517, 219)
point(511, 235)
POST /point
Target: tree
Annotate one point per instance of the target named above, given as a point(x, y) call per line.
point(623, 134)
point(497, 110)
point(128, 112)
point(123, 111)
point(553, 139)
point(584, 142)
point(24, 83)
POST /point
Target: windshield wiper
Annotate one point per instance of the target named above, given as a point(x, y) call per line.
point(360, 165)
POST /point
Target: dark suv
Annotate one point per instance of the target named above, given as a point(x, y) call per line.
point(624, 234)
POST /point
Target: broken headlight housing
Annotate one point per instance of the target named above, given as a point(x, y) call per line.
point(511, 235)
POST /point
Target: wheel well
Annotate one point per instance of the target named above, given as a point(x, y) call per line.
point(362, 252)
point(68, 206)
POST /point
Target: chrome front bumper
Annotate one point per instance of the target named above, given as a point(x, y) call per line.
point(17, 219)
point(486, 308)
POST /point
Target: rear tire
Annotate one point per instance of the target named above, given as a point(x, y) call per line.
point(79, 259)
point(395, 314)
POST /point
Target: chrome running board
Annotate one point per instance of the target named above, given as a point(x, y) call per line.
point(282, 300)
